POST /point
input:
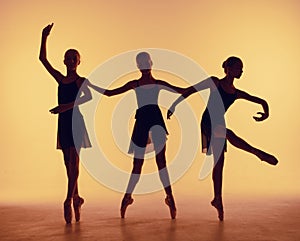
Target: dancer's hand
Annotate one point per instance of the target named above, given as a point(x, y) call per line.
point(61, 108)
point(56, 110)
point(47, 30)
point(262, 116)
point(170, 112)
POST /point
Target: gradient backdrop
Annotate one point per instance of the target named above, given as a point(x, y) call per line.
point(265, 34)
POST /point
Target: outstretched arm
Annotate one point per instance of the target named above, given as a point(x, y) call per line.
point(128, 86)
point(263, 115)
point(97, 88)
point(208, 83)
point(82, 83)
point(166, 86)
point(43, 55)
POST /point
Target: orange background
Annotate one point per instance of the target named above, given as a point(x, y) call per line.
point(265, 34)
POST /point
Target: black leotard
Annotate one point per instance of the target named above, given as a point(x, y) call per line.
point(217, 110)
point(71, 126)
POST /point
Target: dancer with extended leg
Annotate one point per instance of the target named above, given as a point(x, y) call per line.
point(213, 129)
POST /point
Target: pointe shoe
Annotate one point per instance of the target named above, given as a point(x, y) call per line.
point(171, 203)
point(77, 203)
point(125, 203)
point(267, 158)
point(68, 211)
point(217, 203)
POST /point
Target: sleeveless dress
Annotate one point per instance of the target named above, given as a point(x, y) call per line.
point(71, 127)
point(214, 109)
point(148, 116)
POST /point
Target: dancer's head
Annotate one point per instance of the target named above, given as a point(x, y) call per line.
point(72, 59)
point(233, 67)
point(144, 62)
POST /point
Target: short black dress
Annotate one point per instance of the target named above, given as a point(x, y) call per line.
point(149, 121)
point(217, 112)
point(71, 127)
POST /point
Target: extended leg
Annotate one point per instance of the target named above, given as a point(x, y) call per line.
point(243, 145)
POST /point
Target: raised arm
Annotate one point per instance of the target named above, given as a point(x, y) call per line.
point(263, 115)
point(128, 86)
point(82, 83)
point(43, 55)
point(208, 83)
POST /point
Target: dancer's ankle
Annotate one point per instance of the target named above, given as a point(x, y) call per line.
point(75, 196)
point(127, 195)
point(218, 197)
point(170, 195)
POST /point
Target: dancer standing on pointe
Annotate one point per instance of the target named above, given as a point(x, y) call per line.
point(213, 130)
point(70, 121)
point(149, 124)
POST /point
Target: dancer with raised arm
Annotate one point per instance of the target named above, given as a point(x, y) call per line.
point(149, 124)
point(72, 134)
point(213, 129)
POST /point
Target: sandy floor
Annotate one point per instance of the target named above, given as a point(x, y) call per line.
point(244, 220)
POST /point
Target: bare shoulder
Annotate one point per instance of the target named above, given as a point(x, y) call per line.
point(215, 79)
point(82, 81)
point(242, 94)
point(213, 82)
point(132, 84)
point(161, 82)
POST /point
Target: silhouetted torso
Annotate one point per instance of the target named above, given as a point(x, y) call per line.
point(71, 127)
point(148, 115)
point(218, 103)
point(67, 93)
point(146, 95)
